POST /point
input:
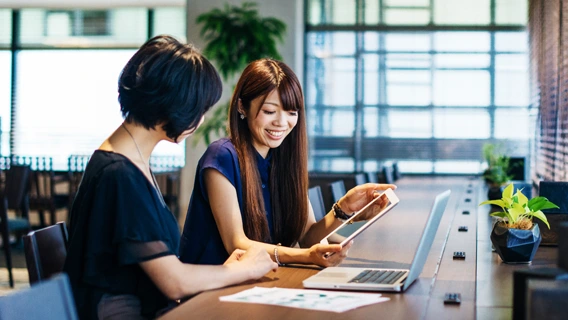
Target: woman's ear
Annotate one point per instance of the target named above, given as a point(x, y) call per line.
point(241, 109)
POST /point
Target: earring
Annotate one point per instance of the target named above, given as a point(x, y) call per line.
point(242, 116)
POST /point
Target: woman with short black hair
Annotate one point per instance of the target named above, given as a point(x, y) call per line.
point(123, 243)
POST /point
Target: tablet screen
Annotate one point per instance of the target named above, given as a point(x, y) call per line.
point(373, 211)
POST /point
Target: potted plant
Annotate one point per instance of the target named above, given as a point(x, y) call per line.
point(235, 36)
point(497, 173)
point(515, 236)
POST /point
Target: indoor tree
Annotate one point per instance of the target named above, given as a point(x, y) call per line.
point(235, 36)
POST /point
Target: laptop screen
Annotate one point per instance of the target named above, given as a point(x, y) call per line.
point(427, 238)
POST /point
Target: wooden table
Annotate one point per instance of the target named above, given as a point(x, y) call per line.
point(392, 242)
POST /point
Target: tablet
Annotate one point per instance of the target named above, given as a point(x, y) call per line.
point(350, 229)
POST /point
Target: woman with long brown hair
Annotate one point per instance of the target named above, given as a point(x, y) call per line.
point(252, 188)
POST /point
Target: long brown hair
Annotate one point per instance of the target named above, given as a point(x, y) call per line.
point(289, 163)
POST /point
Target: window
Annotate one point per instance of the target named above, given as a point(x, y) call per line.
point(67, 69)
point(5, 28)
point(125, 27)
point(77, 113)
point(5, 101)
point(5, 79)
point(424, 83)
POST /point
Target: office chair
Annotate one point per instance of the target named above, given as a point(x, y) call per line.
point(337, 190)
point(45, 251)
point(43, 196)
point(372, 177)
point(388, 175)
point(76, 165)
point(14, 196)
point(360, 178)
point(16, 189)
point(167, 170)
point(49, 300)
point(316, 199)
point(8, 225)
point(396, 172)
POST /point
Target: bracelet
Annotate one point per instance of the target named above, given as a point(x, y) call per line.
point(340, 214)
point(276, 256)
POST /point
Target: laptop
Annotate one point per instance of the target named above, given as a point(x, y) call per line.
point(382, 279)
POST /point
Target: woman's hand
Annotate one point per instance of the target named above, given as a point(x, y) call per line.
point(328, 255)
point(361, 195)
point(256, 260)
point(235, 256)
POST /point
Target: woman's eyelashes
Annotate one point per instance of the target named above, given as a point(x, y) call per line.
point(270, 112)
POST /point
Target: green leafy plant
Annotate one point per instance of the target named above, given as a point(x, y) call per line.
point(518, 211)
point(235, 36)
point(498, 167)
point(216, 123)
point(238, 35)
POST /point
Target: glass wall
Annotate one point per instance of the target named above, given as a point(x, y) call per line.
point(422, 82)
point(5, 79)
point(67, 64)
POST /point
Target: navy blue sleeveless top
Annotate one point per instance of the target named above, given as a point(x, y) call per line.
point(200, 241)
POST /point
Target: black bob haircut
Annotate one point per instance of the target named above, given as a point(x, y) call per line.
point(168, 83)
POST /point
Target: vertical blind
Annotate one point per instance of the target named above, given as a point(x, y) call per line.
point(548, 24)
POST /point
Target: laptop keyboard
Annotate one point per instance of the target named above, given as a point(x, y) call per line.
point(378, 276)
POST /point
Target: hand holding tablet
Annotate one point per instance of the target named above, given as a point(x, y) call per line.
point(362, 219)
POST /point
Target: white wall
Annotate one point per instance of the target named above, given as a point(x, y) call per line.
point(292, 51)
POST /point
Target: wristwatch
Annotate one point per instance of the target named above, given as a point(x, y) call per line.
point(340, 214)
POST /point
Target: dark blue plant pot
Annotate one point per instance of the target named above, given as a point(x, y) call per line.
point(515, 245)
point(494, 193)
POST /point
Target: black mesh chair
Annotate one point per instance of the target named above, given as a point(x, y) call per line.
point(316, 199)
point(45, 251)
point(49, 300)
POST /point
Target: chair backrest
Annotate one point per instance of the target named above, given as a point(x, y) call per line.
point(556, 192)
point(41, 178)
point(372, 177)
point(51, 299)
point(42, 187)
point(169, 184)
point(16, 189)
point(45, 250)
point(396, 172)
point(360, 178)
point(337, 190)
point(323, 179)
point(76, 165)
point(387, 175)
point(316, 199)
